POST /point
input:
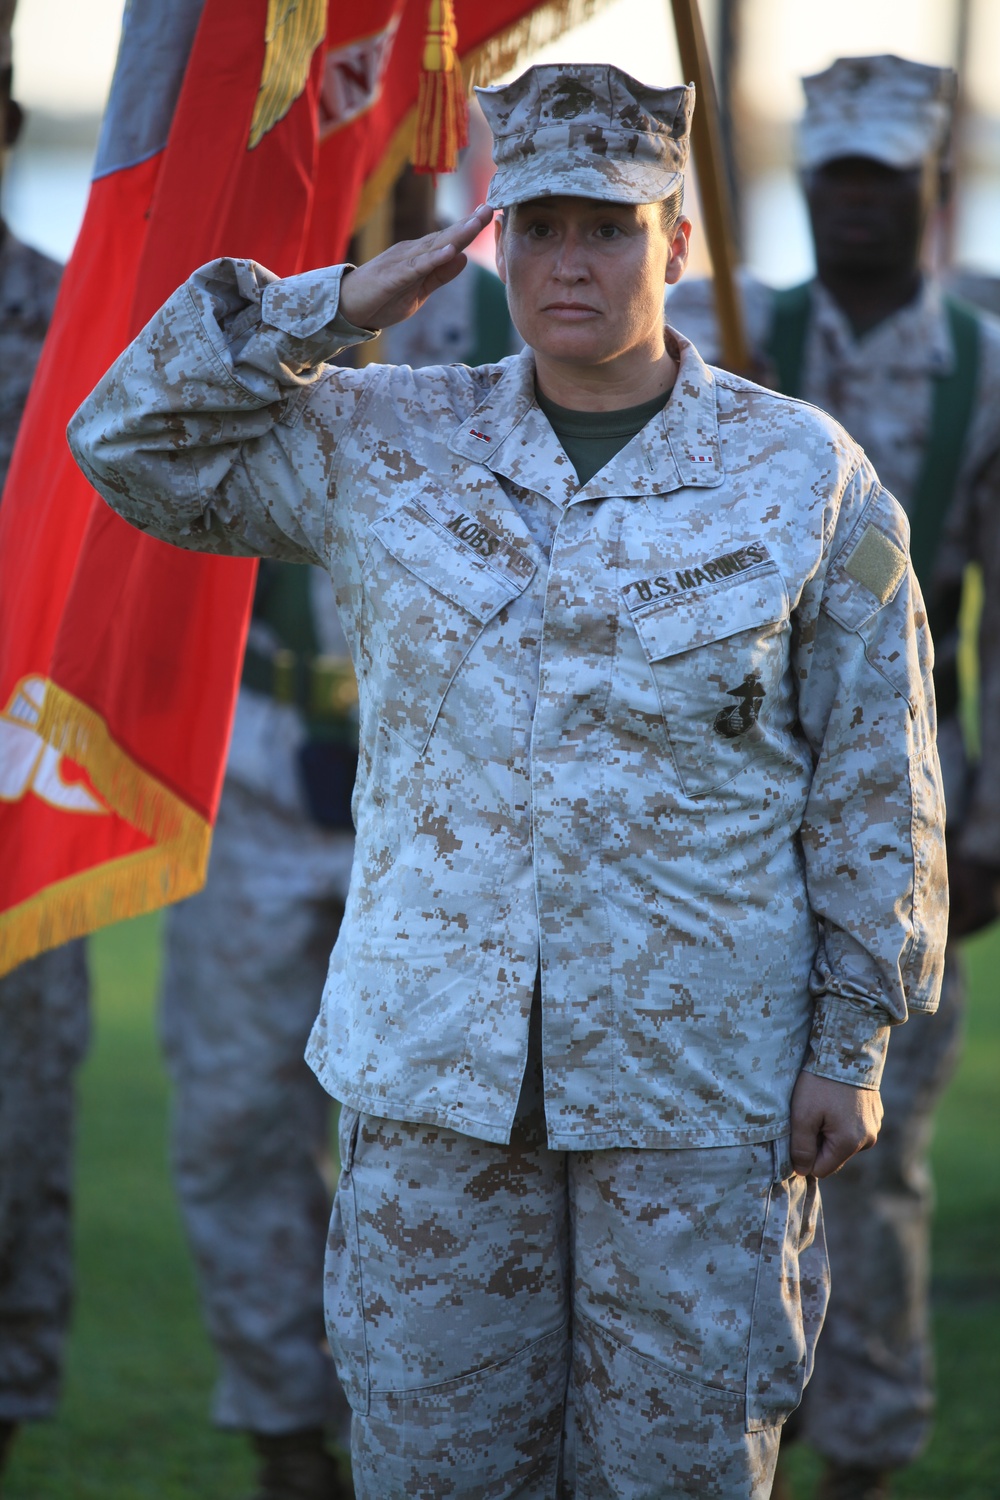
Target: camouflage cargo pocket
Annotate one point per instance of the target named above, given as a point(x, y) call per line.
point(447, 1259)
point(793, 1287)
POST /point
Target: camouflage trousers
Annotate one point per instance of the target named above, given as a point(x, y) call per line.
point(871, 1400)
point(246, 962)
point(515, 1321)
point(43, 1036)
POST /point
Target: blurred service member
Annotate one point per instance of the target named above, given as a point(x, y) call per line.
point(914, 376)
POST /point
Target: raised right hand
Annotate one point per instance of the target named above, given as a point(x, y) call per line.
point(391, 287)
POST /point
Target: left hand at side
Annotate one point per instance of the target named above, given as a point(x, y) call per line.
point(831, 1122)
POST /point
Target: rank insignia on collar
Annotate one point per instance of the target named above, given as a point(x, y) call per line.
point(741, 716)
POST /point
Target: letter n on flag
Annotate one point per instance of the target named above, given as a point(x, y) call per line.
point(267, 129)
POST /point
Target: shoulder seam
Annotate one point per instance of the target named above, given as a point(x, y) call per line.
point(732, 382)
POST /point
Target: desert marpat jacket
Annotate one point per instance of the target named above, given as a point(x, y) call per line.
point(667, 738)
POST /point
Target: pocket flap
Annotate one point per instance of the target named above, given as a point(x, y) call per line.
point(676, 622)
point(457, 556)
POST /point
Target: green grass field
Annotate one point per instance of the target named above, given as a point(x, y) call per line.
point(134, 1420)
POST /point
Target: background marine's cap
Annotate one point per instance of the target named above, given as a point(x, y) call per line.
point(896, 111)
point(586, 131)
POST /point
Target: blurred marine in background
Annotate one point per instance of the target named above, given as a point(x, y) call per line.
point(914, 376)
point(43, 1003)
point(246, 964)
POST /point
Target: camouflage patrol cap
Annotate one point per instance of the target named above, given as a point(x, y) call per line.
point(6, 22)
point(586, 131)
point(888, 108)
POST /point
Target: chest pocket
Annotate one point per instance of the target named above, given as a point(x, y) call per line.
point(718, 658)
point(429, 596)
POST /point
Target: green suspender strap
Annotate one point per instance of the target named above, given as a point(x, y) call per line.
point(951, 411)
point(787, 345)
point(951, 414)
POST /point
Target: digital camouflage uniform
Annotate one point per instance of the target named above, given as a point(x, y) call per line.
point(246, 960)
point(543, 791)
point(43, 1004)
point(871, 1399)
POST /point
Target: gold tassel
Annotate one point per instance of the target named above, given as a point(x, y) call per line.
point(442, 114)
point(479, 65)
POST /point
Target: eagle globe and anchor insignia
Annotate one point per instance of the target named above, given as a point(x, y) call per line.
point(735, 720)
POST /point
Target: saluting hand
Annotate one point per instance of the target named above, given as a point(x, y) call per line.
point(391, 287)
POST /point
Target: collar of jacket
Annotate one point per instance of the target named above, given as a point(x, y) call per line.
point(916, 338)
point(679, 448)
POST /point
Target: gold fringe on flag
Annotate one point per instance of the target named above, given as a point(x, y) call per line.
point(523, 38)
point(72, 908)
point(173, 868)
point(442, 113)
point(77, 731)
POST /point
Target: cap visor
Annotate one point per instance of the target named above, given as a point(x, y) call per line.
point(611, 183)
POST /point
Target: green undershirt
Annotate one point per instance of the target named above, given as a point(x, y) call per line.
point(592, 438)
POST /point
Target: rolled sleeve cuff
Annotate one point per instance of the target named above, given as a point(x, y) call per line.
point(848, 1043)
point(307, 309)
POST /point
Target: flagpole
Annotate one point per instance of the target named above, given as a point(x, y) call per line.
point(944, 241)
point(716, 204)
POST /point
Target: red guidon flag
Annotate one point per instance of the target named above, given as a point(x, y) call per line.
point(268, 128)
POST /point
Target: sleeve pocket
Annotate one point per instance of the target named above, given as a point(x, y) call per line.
point(866, 592)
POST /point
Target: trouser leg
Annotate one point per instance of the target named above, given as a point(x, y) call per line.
point(246, 960)
point(447, 1306)
point(871, 1400)
point(43, 1035)
point(700, 1282)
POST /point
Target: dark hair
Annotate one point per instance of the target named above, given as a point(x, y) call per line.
point(671, 209)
